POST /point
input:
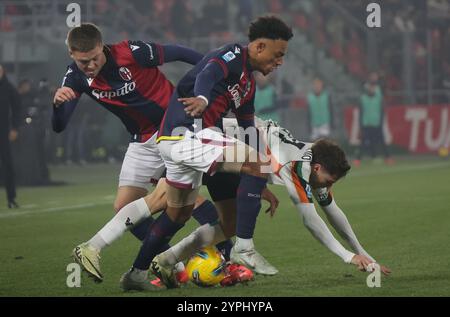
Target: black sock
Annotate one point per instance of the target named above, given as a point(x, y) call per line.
point(141, 229)
point(160, 233)
point(225, 248)
point(248, 204)
point(207, 213)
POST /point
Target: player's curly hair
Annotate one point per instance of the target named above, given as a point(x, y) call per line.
point(84, 38)
point(269, 27)
point(328, 154)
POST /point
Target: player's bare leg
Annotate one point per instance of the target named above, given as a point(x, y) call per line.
point(136, 278)
point(180, 203)
point(127, 194)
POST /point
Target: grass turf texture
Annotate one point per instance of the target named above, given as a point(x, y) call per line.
point(399, 213)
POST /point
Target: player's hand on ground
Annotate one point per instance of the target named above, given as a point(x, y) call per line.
point(385, 270)
point(62, 95)
point(270, 197)
point(361, 261)
point(194, 106)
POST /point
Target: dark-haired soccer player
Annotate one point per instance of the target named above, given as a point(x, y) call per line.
point(123, 78)
point(222, 81)
point(307, 170)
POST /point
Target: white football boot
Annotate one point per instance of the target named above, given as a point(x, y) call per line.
point(253, 260)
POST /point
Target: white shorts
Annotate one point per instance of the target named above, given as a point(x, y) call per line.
point(187, 159)
point(142, 164)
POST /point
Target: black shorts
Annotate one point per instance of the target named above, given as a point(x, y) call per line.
point(222, 186)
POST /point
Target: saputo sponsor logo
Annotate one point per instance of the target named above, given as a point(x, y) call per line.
point(236, 96)
point(110, 94)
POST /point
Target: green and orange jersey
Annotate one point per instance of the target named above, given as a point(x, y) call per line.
point(291, 164)
point(290, 161)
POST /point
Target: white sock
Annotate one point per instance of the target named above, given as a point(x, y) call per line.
point(132, 213)
point(179, 267)
point(243, 244)
point(203, 236)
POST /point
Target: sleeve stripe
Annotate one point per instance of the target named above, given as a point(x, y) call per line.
point(160, 53)
point(276, 167)
point(222, 65)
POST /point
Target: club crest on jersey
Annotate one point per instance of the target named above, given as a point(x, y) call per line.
point(125, 73)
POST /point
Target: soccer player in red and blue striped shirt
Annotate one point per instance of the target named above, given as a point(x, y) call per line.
point(123, 78)
point(190, 146)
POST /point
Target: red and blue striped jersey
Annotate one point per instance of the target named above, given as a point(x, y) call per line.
point(130, 85)
point(234, 92)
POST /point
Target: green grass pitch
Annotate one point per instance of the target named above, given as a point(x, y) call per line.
point(401, 214)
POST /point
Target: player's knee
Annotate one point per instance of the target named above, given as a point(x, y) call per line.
point(155, 203)
point(118, 205)
point(179, 215)
point(199, 201)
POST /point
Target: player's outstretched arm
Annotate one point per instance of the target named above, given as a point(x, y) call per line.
point(320, 231)
point(181, 53)
point(339, 221)
point(315, 224)
point(204, 83)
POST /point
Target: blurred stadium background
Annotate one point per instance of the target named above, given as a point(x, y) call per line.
point(410, 53)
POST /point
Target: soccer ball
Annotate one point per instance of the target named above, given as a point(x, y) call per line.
point(443, 151)
point(206, 267)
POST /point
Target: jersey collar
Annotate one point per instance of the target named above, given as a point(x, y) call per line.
point(246, 58)
point(110, 63)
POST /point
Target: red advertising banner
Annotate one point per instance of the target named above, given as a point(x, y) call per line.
point(419, 129)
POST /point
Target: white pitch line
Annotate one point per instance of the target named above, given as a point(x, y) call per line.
point(30, 206)
point(387, 170)
point(399, 169)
